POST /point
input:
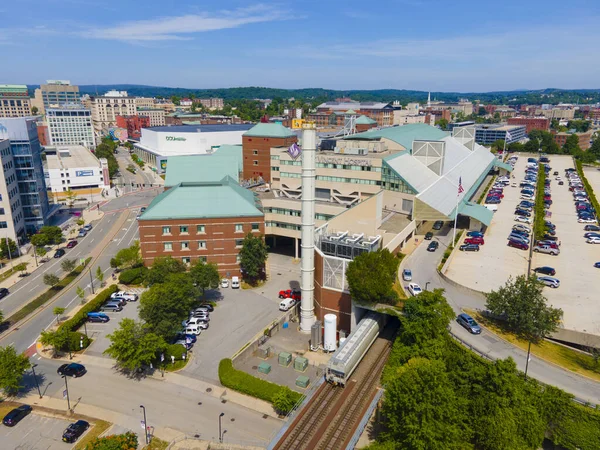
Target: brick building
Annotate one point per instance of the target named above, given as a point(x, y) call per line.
point(531, 123)
point(257, 143)
point(328, 112)
point(14, 100)
point(133, 124)
point(584, 139)
point(363, 123)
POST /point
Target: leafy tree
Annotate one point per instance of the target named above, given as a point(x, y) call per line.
point(8, 248)
point(58, 311)
point(68, 265)
point(531, 146)
point(371, 277)
point(127, 258)
point(253, 256)
point(426, 317)
point(99, 275)
point(423, 410)
point(595, 149)
point(580, 126)
point(125, 441)
point(12, 367)
point(162, 268)
point(34, 110)
point(59, 340)
point(70, 197)
point(498, 145)
point(443, 123)
point(133, 345)
point(80, 222)
point(204, 276)
point(515, 147)
point(81, 294)
point(51, 280)
point(571, 145)
point(284, 400)
point(39, 240)
point(1, 316)
point(53, 234)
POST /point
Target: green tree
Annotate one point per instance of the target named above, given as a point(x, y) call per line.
point(58, 311)
point(81, 294)
point(127, 258)
point(70, 197)
point(498, 145)
point(51, 280)
point(80, 222)
point(426, 317)
point(39, 240)
point(12, 367)
point(133, 345)
point(1, 316)
point(253, 257)
point(442, 123)
point(580, 126)
point(125, 441)
point(571, 145)
point(8, 248)
point(595, 149)
point(68, 265)
point(99, 275)
point(423, 410)
point(204, 276)
point(53, 234)
point(34, 110)
point(284, 400)
point(371, 277)
point(59, 340)
point(162, 268)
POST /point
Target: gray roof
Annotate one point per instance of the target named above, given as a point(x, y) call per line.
point(345, 106)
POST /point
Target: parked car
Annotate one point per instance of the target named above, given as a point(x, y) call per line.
point(59, 252)
point(129, 296)
point(117, 301)
point(407, 275)
point(114, 307)
point(74, 370)
point(545, 270)
point(74, 431)
point(586, 220)
point(97, 317)
point(469, 248)
point(290, 293)
point(524, 228)
point(597, 265)
point(475, 234)
point(560, 183)
point(547, 249)
point(591, 228)
point(518, 244)
point(593, 240)
point(414, 289)
point(16, 415)
point(211, 308)
point(235, 282)
point(522, 219)
point(433, 245)
point(548, 243)
point(492, 201)
point(522, 212)
point(72, 243)
point(591, 234)
point(3, 292)
point(438, 225)
point(475, 240)
point(428, 236)
point(469, 323)
point(550, 281)
point(518, 238)
point(82, 233)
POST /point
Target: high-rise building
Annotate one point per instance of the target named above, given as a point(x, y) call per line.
point(106, 108)
point(27, 160)
point(12, 219)
point(70, 125)
point(54, 94)
point(14, 100)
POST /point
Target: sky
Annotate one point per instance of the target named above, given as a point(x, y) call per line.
point(429, 45)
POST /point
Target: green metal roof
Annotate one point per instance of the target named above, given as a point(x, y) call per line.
point(364, 120)
point(272, 130)
point(350, 111)
point(477, 212)
point(202, 168)
point(234, 151)
point(223, 198)
point(404, 135)
point(503, 165)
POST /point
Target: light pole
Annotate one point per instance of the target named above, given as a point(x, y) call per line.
point(527, 362)
point(91, 280)
point(36, 381)
point(67, 391)
point(220, 434)
point(427, 284)
point(145, 424)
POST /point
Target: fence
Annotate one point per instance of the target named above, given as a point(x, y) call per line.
point(364, 421)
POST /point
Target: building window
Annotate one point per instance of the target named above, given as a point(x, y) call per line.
point(186, 260)
point(255, 152)
point(166, 230)
point(255, 162)
point(183, 229)
point(239, 243)
point(185, 245)
point(238, 258)
point(239, 228)
point(201, 245)
point(202, 258)
point(168, 246)
point(255, 227)
point(200, 229)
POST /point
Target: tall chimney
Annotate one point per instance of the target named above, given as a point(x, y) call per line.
point(307, 265)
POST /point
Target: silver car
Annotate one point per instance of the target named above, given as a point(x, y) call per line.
point(550, 281)
point(407, 275)
point(546, 249)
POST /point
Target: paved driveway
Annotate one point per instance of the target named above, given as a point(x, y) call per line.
point(35, 432)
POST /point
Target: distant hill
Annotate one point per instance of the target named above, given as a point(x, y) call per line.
point(549, 95)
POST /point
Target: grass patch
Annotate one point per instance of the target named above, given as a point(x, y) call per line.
point(157, 444)
point(539, 227)
point(398, 289)
point(179, 364)
point(246, 285)
point(485, 191)
point(46, 296)
point(99, 427)
point(6, 407)
point(558, 354)
point(18, 268)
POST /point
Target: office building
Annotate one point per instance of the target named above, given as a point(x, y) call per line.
point(145, 102)
point(74, 168)
point(488, 134)
point(333, 113)
point(26, 153)
point(12, 217)
point(70, 124)
point(584, 138)
point(211, 103)
point(155, 115)
point(14, 101)
point(531, 123)
point(55, 94)
point(556, 113)
point(106, 108)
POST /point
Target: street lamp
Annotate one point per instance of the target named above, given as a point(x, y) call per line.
point(67, 391)
point(427, 284)
point(36, 381)
point(145, 424)
point(220, 434)
point(91, 280)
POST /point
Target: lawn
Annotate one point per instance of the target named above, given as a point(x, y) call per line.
point(557, 354)
point(156, 444)
point(179, 364)
point(98, 427)
point(399, 290)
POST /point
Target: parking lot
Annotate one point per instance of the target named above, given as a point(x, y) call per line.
point(579, 283)
point(35, 432)
point(490, 267)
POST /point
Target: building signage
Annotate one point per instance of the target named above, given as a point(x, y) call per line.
point(175, 138)
point(344, 161)
point(84, 173)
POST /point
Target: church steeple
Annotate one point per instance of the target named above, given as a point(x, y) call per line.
point(429, 99)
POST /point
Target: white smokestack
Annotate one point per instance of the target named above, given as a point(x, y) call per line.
point(307, 265)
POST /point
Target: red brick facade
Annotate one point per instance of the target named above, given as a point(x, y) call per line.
point(531, 123)
point(216, 240)
point(133, 124)
point(257, 155)
point(584, 139)
point(328, 301)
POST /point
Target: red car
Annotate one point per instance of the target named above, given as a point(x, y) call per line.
point(547, 197)
point(474, 240)
point(517, 244)
point(71, 244)
point(496, 194)
point(290, 293)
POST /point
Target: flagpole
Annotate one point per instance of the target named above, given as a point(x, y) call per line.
point(455, 217)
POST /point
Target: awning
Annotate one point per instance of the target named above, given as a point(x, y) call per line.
point(503, 165)
point(477, 212)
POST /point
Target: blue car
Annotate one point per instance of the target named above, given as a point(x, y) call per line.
point(475, 234)
point(597, 265)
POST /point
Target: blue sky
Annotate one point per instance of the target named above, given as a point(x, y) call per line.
point(436, 45)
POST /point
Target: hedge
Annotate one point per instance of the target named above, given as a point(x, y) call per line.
point(127, 441)
point(75, 339)
point(248, 384)
point(539, 227)
point(133, 276)
point(588, 187)
point(176, 350)
point(78, 319)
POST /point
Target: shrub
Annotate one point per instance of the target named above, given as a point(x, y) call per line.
point(284, 400)
point(176, 350)
point(78, 319)
point(539, 227)
point(251, 385)
point(75, 339)
point(127, 441)
point(133, 276)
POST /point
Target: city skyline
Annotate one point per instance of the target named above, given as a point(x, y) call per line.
point(406, 44)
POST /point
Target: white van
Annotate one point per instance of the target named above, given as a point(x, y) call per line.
point(193, 329)
point(235, 282)
point(286, 304)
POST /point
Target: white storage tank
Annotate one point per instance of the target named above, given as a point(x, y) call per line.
point(329, 341)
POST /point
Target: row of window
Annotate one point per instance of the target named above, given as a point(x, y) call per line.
point(200, 245)
point(334, 179)
point(201, 229)
point(295, 213)
point(287, 226)
point(392, 182)
point(332, 166)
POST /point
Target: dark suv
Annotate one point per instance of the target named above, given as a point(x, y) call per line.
point(74, 431)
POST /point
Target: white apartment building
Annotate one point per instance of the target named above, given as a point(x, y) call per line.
point(70, 125)
point(12, 218)
point(144, 102)
point(106, 108)
point(75, 168)
point(14, 100)
point(156, 115)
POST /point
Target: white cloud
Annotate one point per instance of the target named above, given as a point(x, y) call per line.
point(178, 27)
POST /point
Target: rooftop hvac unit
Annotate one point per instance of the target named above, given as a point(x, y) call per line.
point(315, 336)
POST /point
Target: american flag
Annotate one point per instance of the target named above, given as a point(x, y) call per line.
point(508, 136)
point(460, 188)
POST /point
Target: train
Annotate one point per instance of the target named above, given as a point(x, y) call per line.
point(347, 357)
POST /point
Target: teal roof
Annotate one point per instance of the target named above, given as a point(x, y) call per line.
point(364, 120)
point(234, 151)
point(404, 135)
point(202, 168)
point(272, 130)
point(477, 212)
point(223, 198)
point(503, 165)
